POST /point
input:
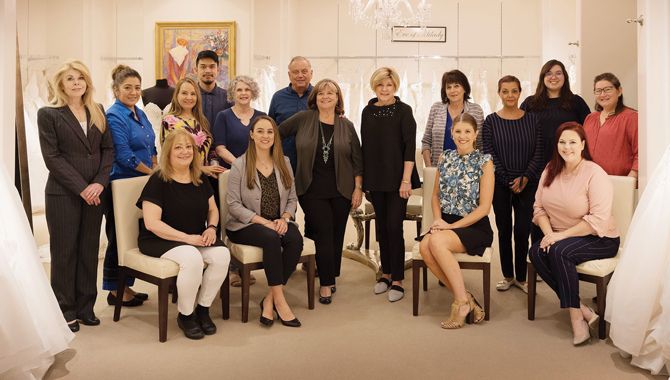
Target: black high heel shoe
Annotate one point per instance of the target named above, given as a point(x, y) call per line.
point(267, 322)
point(326, 300)
point(295, 322)
point(111, 300)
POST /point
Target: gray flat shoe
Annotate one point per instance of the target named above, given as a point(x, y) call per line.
point(382, 285)
point(396, 293)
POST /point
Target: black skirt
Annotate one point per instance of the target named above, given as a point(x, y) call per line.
point(475, 237)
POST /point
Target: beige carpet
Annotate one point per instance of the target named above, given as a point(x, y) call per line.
point(359, 336)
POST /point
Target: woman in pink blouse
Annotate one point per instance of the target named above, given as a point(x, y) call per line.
point(573, 208)
point(612, 129)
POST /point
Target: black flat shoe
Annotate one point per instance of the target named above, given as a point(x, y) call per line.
point(189, 325)
point(111, 300)
point(206, 324)
point(295, 322)
point(141, 296)
point(89, 321)
point(267, 322)
point(325, 300)
point(74, 326)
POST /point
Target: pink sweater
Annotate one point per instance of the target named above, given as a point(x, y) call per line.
point(586, 194)
point(613, 145)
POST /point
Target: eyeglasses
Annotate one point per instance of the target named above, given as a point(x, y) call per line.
point(605, 90)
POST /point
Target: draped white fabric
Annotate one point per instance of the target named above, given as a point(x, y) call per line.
point(638, 296)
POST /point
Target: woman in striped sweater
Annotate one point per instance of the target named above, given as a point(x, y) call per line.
point(514, 139)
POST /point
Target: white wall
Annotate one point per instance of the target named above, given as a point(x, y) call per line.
point(7, 82)
point(559, 30)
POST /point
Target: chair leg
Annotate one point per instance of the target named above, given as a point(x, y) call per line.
point(601, 293)
point(245, 275)
point(532, 283)
point(311, 275)
point(416, 273)
point(366, 242)
point(418, 228)
point(175, 295)
point(225, 298)
point(425, 276)
point(163, 287)
point(486, 283)
point(120, 289)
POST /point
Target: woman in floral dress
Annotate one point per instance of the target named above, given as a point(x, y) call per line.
point(186, 113)
point(461, 203)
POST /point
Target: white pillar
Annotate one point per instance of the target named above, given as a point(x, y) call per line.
point(7, 82)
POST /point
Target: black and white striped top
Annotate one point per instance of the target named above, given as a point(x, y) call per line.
point(516, 147)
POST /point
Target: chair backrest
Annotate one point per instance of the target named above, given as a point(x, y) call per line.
point(427, 190)
point(418, 162)
point(623, 203)
point(125, 193)
point(223, 207)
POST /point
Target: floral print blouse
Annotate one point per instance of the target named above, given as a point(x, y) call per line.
point(459, 181)
point(203, 140)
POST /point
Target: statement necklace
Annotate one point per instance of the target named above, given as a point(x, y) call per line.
point(325, 146)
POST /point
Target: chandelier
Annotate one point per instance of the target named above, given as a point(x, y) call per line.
point(382, 15)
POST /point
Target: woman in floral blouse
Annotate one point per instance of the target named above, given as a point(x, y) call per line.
point(461, 203)
point(186, 113)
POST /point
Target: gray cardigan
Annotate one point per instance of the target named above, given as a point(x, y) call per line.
point(244, 203)
point(433, 136)
point(348, 155)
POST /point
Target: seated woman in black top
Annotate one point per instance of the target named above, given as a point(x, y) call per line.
point(180, 219)
point(261, 202)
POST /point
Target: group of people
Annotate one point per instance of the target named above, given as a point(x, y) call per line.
point(545, 163)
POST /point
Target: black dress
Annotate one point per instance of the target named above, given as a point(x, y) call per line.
point(184, 207)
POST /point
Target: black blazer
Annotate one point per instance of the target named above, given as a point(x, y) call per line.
point(74, 159)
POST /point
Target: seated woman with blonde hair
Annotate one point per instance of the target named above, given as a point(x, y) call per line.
point(461, 203)
point(179, 223)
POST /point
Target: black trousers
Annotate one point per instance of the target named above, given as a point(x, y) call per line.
point(280, 253)
point(74, 236)
point(110, 267)
point(390, 210)
point(328, 221)
point(504, 203)
point(557, 266)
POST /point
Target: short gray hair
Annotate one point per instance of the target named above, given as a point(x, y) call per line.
point(249, 81)
point(299, 58)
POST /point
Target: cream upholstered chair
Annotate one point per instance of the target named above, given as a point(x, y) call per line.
point(413, 205)
point(249, 258)
point(465, 261)
point(598, 272)
point(132, 262)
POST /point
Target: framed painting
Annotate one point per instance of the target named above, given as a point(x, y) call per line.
point(178, 44)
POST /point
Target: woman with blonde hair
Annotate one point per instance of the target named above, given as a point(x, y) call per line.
point(78, 151)
point(177, 203)
point(262, 202)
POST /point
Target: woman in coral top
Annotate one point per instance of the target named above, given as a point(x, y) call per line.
point(612, 129)
point(573, 208)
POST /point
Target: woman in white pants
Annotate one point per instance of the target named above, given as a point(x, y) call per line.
point(180, 221)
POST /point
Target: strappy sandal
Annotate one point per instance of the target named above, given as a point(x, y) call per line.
point(477, 311)
point(456, 321)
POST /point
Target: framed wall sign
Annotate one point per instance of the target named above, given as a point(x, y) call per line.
point(419, 34)
point(178, 44)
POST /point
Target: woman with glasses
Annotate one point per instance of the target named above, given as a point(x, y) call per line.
point(554, 103)
point(612, 129)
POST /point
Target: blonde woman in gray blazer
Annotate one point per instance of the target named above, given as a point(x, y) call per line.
point(261, 202)
point(455, 94)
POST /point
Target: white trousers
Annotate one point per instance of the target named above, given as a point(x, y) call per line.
point(192, 260)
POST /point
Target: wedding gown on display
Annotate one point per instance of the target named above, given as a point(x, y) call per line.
point(32, 327)
point(638, 296)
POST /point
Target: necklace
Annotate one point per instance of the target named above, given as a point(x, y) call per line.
point(325, 146)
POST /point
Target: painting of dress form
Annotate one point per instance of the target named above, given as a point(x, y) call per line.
point(178, 44)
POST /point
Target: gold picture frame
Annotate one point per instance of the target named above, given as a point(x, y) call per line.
point(178, 44)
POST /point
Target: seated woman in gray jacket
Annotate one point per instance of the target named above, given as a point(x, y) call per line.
point(329, 176)
point(261, 203)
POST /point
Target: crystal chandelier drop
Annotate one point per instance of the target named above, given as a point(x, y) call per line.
point(381, 15)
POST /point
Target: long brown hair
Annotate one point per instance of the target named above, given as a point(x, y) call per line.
point(58, 98)
point(276, 152)
point(557, 164)
point(165, 169)
point(176, 109)
point(539, 100)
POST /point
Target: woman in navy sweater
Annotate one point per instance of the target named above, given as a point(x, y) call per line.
point(513, 138)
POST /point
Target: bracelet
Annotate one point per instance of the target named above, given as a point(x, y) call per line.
point(212, 226)
point(405, 181)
